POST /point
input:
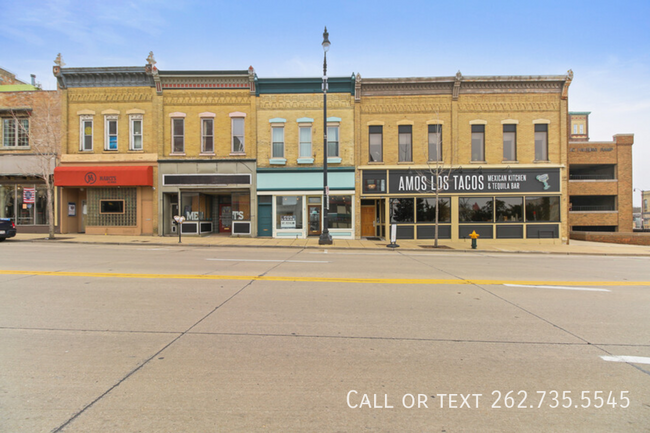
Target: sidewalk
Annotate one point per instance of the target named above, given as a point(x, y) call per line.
point(531, 246)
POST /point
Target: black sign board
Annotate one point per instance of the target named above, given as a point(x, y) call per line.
point(492, 181)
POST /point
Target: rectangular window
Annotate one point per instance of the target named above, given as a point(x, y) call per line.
point(435, 142)
point(241, 206)
point(544, 209)
point(405, 144)
point(333, 141)
point(575, 129)
point(238, 135)
point(375, 143)
point(475, 209)
point(278, 142)
point(135, 143)
point(15, 132)
point(541, 142)
point(178, 135)
point(582, 129)
point(509, 209)
point(401, 210)
point(207, 135)
point(510, 142)
point(340, 212)
point(110, 142)
point(426, 210)
point(111, 206)
point(288, 211)
point(305, 142)
point(86, 134)
point(478, 143)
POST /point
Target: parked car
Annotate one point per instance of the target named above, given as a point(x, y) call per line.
point(7, 229)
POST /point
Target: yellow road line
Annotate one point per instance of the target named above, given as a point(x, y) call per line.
point(323, 279)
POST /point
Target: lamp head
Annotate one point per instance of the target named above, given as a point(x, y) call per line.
point(326, 41)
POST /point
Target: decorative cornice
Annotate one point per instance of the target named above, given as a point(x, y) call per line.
point(472, 107)
point(204, 83)
point(103, 77)
point(219, 98)
point(408, 105)
point(115, 96)
point(303, 102)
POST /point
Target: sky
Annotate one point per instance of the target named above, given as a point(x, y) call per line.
point(606, 44)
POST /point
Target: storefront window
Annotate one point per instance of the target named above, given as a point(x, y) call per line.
point(426, 210)
point(190, 205)
point(475, 209)
point(7, 201)
point(340, 212)
point(542, 209)
point(25, 205)
point(41, 205)
point(288, 211)
point(509, 208)
point(401, 210)
point(241, 206)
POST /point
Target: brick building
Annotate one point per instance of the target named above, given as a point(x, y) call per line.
point(600, 179)
point(25, 159)
point(497, 146)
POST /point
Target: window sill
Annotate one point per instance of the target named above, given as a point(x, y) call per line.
point(278, 161)
point(334, 160)
point(206, 154)
point(541, 161)
point(509, 162)
point(136, 150)
point(15, 148)
point(305, 160)
point(177, 154)
point(405, 162)
point(435, 162)
point(478, 162)
point(375, 162)
point(237, 153)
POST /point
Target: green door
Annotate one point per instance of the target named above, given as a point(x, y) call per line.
point(264, 219)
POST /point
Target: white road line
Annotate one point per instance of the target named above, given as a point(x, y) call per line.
point(630, 359)
point(274, 261)
point(584, 289)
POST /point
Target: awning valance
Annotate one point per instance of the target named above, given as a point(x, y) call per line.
point(103, 176)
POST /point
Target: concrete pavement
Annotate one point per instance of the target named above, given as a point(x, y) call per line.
point(530, 246)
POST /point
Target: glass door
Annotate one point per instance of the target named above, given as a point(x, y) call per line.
point(314, 220)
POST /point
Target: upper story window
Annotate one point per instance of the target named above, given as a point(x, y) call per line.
point(135, 136)
point(435, 143)
point(375, 143)
point(110, 136)
point(478, 143)
point(305, 141)
point(541, 142)
point(509, 142)
point(405, 143)
point(278, 141)
point(178, 135)
point(86, 133)
point(332, 141)
point(238, 133)
point(207, 135)
point(15, 132)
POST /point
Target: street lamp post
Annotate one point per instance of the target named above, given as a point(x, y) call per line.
point(325, 237)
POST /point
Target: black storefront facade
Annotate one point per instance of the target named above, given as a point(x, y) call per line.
point(497, 203)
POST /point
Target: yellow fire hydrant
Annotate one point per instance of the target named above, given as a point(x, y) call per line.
point(474, 236)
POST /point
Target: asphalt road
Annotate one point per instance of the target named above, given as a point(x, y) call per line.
point(188, 339)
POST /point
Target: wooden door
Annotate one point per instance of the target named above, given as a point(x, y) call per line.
point(367, 221)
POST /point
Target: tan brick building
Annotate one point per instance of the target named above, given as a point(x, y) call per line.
point(108, 170)
point(290, 160)
point(496, 145)
point(600, 179)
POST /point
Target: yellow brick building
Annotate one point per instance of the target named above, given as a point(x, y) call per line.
point(496, 145)
point(290, 157)
point(108, 168)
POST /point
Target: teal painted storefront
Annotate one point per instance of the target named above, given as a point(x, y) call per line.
point(290, 199)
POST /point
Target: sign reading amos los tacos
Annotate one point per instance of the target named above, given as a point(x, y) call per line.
point(493, 181)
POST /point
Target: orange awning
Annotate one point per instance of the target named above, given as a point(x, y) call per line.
point(103, 176)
